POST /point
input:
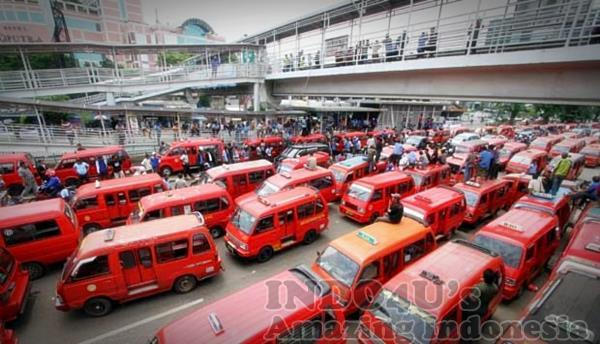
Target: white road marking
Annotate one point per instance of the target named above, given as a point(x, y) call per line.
point(142, 322)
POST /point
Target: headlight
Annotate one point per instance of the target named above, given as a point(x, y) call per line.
point(343, 202)
point(361, 210)
point(244, 246)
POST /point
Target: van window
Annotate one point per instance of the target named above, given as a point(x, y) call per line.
point(127, 259)
point(484, 198)
point(530, 252)
point(136, 194)
point(319, 206)
point(153, 215)
point(369, 273)
point(199, 244)
point(239, 179)
point(286, 216)
point(414, 251)
point(208, 206)
point(377, 195)
point(87, 203)
point(177, 210)
point(390, 262)
point(68, 163)
point(306, 210)
point(391, 190)
point(448, 324)
point(321, 183)
point(551, 236)
point(224, 203)
point(109, 200)
point(172, 250)
point(256, 177)
point(454, 209)
point(7, 167)
point(158, 188)
point(96, 267)
point(264, 224)
point(30, 232)
point(145, 257)
point(122, 198)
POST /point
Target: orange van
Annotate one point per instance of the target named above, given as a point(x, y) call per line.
point(39, 234)
point(130, 262)
point(242, 177)
point(263, 225)
point(211, 200)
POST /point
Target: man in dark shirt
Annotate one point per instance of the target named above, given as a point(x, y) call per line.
point(476, 305)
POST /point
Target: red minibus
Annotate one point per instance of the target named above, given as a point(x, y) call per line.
point(442, 208)
point(520, 162)
point(507, 131)
point(518, 185)
point(290, 164)
point(526, 239)
point(14, 287)
point(352, 169)
point(461, 153)
point(211, 200)
point(557, 205)
point(592, 155)
point(9, 165)
point(275, 142)
point(303, 311)
point(484, 199)
point(108, 203)
point(368, 198)
point(263, 225)
point(319, 178)
point(64, 168)
point(510, 148)
point(358, 263)
point(567, 146)
point(211, 148)
point(39, 234)
point(584, 245)
point(577, 165)
point(240, 178)
point(545, 143)
point(430, 176)
point(130, 262)
point(430, 296)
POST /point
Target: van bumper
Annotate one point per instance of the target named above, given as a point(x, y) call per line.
point(60, 304)
point(354, 215)
point(509, 292)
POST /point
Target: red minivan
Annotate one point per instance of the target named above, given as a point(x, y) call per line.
point(9, 165)
point(351, 169)
point(130, 262)
point(263, 225)
point(484, 199)
point(109, 203)
point(64, 168)
point(242, 177)
point(39, 234)
point(211, 148)
point(275, 142)
point(430, 176)
point(368, 198)
point(211, 200)
point(290, 164)
point(14, 287)
point(557, 205)
point(520, 162)
point(526, 239)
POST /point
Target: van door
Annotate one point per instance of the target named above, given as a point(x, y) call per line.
point(367, 285)
point(378, 203)
point(123, 205)
point(137, 267)
point(286, 223)
point(240, 185)
point(111, 206)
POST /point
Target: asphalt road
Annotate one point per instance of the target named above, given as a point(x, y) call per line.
point(136, 322)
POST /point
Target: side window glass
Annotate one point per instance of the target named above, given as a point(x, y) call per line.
point(158, 188)
point(319, 206)
point(177, 210)
point(170, 251)
point(306, 210)
point(127, 259)
point(414, 251)
point(212, 205)
point(145, 257)
point(224, 203)
point(530, 253)
point(377, 195)
point(30, 232)
point(96, 267)
point(7, 167)
point(239, 180)
point(484, 198)
point(87, 203)
point(153, 215)
point(265, 224)
point(286, 216)
point(256, 177)
point(122, 198)
point(443, 214)
point(369, 273)
point(200, 244)
point(109, 200)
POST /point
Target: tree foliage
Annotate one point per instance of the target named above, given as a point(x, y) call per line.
point(174, 58)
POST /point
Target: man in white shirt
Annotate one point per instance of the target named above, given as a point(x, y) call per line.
point(185, 161)
point(535, 184)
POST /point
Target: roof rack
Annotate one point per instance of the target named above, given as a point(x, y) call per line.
point(475, 246)
point(285, 175)
point(511, 226)
point(109, 235)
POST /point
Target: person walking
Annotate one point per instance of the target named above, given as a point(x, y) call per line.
point(81, 168)
point(397, 152)
point(180, 182)
point(185, 161)
point(560, 172)
point(28, 179)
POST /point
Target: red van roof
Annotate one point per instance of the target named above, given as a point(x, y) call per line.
point(28, 212)
point(531, 153)
point(14, 156)
point(455, 264)
point(108, 150)
point(197, 142)
point(545, 201)
point(180, 195)
point(260, 205)
point(429, 169)
point(284, 179)
point(384, 178)
point(117, 184)
point(585, 242)
point(520, 225)
point(225, 170)
point(97, 242)
point(243, 315)
point(432, 198)
point(480, 187)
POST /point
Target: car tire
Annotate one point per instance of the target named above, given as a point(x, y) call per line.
point(216, 232)
point(310, 237)
point(35, 270)
point(15, 190)
point(185, 284)
point(265, 254)
point(166, 172)
point(91, 228)
point(97, 307)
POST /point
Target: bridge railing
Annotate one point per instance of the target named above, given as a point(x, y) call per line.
point(73, 77)
point(428, 30)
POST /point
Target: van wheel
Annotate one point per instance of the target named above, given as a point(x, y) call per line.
point(15, 190)
point(373, 218)
point(166, 171)
point(185, 284)
point(216, 232)
point(310, 237)
point(265, 254)
point(97, 307)
point(90, 229)
point(36, 270)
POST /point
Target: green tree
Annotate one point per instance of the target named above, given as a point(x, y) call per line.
point(512, 109)
point(174, 58)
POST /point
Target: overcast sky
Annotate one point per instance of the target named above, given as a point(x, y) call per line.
point(232, 18)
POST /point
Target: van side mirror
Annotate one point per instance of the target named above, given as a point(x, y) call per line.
point(532, 287)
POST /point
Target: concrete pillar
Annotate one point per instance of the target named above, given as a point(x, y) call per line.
point(256, 100)
point(110, 99)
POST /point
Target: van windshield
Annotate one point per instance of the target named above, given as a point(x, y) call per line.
point(338, 266)
point(284, 168)
point(521, 159)
point(6, 265)
point(266, 189)
point(340, 176)
point(470, 197)
point(591, 151)
point(243, 220)
point(562, 149)
point(415, 215)
point(359, 192)
point(511, 254)
point(397, 312)
point(417, 178)
point(68, 266)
